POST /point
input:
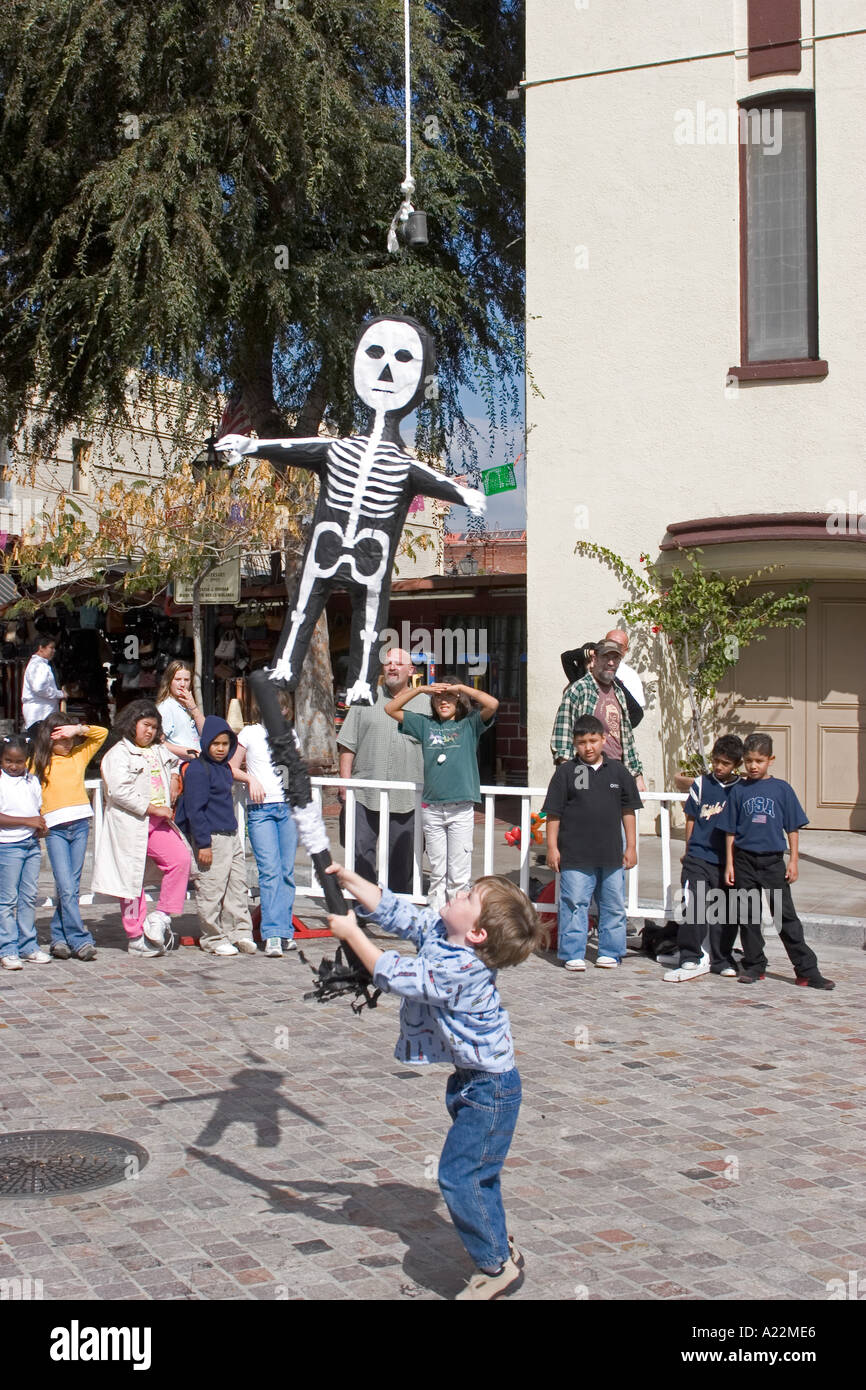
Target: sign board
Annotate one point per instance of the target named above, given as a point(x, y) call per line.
point(499, 479)
point(222, 585)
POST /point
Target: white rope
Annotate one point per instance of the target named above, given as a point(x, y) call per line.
point(407, 70)
point(407, 187)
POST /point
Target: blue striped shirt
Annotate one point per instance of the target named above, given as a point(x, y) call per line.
point(451, 1010)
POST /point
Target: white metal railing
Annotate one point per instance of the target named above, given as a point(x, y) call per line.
point(489, 795)
point(664, 800)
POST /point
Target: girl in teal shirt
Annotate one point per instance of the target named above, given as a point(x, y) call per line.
point(449, 740)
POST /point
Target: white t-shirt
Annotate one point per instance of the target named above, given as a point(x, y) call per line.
point(253, 738)
point(19, 796)
point(178, 724)
point(632, 682)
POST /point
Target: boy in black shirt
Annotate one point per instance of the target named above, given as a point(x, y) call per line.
point(591, 801)
point(760, 811)
point(704, 905)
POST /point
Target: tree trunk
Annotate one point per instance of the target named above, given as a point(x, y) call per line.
point(196, 641)
point(311, 412)
point(254, 377)
point(314, 704)
point(697, 731)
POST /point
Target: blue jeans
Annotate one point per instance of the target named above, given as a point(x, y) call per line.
point(274, 838)
point(67, 846)
point(576, 888)
point(19, 877)
point(483, 1107)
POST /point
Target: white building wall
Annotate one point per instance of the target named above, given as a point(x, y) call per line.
point(633, 309)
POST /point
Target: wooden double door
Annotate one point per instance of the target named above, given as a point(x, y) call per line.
point(807, 688)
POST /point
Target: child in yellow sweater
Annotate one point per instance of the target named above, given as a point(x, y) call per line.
point(60, 756)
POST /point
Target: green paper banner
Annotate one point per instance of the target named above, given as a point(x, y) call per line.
point(499, 479)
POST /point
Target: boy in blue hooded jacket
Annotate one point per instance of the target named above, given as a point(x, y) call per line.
point(209, 815)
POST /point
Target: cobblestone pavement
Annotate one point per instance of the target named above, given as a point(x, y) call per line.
point(700, 1141)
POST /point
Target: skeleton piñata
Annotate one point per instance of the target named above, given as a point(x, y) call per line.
point(368, 481)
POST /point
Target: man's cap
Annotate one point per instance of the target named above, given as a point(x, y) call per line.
point(608, 649)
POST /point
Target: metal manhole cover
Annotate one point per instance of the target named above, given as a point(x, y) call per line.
point(43, 1162)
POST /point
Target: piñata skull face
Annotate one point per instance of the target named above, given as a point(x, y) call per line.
point(389, 365)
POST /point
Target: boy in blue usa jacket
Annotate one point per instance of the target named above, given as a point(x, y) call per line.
point(704, 907)
point(761, 811)
point(451, 1012)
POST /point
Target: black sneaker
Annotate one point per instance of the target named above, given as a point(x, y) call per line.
point(59, 950)
point(750, 977)
point(86, 953)
point(816, 982)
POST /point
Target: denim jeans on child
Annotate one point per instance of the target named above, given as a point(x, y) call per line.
point(67, 846)
point(483, 1107)
point(274, 838)
point(19, 877)
point(576, 888)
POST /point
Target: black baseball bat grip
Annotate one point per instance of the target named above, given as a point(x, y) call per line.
point(334, 900)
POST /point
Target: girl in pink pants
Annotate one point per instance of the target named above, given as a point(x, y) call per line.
point(170, 853)
point(141, 786)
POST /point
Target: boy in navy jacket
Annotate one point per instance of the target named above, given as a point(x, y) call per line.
point(704, 905)
point(209, 814)
point(759, 814)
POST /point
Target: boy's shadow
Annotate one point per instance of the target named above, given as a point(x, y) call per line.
point(255, 1099)
point(433, 1259)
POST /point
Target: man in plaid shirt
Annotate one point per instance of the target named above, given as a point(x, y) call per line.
point(597, 693)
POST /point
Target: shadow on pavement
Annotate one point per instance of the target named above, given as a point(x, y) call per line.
point(410, 1212)
point(254, 1099)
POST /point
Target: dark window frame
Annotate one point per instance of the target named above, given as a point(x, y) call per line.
point(775, 34)
point(780, 368)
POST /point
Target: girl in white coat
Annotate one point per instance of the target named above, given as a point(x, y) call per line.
point(141, 786)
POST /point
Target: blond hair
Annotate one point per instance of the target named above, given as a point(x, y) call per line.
point(168, 675)
point(514, 929)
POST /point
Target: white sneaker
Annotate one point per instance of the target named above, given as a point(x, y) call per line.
point(290, 944)
point(11, 963)
point(607, 963)
point(156, 924)
point(690, 971)
point(37, 958)
point(273, 946)
point(140, 946)
point(222, 948)
point(487, 1287)
point(246, 945)
point(575, 965)
point(729, 973)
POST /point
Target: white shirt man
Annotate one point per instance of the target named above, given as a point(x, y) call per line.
point(40, 693)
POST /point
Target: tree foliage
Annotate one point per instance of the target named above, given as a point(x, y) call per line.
point(203, 191)
point(148, 535)
point(706, 620)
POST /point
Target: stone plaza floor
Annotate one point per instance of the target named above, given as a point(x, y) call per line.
point(700, 1141)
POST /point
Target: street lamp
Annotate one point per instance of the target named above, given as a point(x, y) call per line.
point(469, 564)
point(207, 461)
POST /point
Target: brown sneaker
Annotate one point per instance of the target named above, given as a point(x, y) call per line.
point(487, 1287)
